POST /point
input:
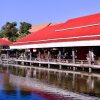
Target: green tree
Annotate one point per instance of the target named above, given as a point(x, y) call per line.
point(24, 29)
point(1, 34)
point(10, 31)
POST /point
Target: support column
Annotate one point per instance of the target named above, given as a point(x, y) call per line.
point(39, 55)
point(7, 56)
point(30, 58)
point(59, 58)
point(48, 55)
point(48, 58)
point(16, 58)
point(73, 55)
point(91, 56)
point(89, 60)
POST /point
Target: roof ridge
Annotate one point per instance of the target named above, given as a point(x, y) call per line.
point(81, 17)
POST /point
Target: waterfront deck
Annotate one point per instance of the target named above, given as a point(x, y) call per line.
point(68, 64)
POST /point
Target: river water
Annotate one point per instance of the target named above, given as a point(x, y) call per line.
point(50, 85)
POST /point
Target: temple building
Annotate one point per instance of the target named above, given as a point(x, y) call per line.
point(76, 41)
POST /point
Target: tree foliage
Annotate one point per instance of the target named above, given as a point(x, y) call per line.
point(1, 34)
point(9, 31)
point(24, 29)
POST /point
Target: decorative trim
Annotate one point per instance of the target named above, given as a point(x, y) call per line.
point(68, 38)
point(71, 28)
point(59, 44)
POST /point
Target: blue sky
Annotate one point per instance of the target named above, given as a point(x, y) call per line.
point(43, 11)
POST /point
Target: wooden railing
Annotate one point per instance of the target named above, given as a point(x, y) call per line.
point(12, 60)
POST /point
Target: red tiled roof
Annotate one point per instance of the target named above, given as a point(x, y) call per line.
point(38, 27)
point(4, 41)
point(84, 20)
point(61, 33)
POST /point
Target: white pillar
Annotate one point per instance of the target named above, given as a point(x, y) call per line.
point(48, 58)
point(7, 57)
point(91, 56)
point(73, 55)
point(16, 58)
point(48, 55)
point(30, 58)
point(39, 55)
point(59, 56)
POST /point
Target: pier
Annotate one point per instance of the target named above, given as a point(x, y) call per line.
point(51, 65)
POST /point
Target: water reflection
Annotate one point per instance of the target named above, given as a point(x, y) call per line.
point(41, 84)
point(12, 92)
point(76, 82)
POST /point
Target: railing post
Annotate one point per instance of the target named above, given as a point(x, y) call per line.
point(48, 65)
point(60, 66)
point(39, 64)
